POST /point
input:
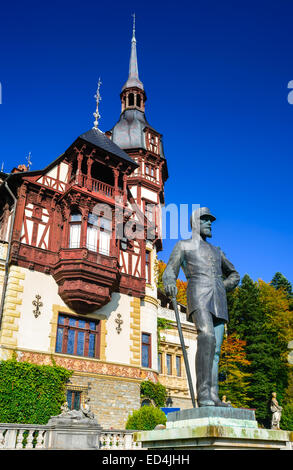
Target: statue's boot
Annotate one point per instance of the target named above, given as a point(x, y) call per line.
point(204, 361)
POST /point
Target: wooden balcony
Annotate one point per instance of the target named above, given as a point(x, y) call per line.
point(95, 186)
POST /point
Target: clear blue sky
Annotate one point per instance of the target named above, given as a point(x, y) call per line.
point(216, 76)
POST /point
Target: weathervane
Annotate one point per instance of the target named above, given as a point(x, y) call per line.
point(29, 162)
point(133, 29)
point(98, 99)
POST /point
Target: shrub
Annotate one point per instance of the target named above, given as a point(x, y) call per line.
point(30, 393)
point(155, 391)
point(146, 418)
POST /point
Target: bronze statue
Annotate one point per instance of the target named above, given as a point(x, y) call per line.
point(209, 275)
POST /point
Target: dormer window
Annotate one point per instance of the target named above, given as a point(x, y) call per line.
point(153, 143)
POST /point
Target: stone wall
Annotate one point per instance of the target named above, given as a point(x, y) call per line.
point(111, 399)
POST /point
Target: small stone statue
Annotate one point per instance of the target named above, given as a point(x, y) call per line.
point(224, 400)
point(82, 416)
point(64, 409)
point(86, 409)
point(276, 409)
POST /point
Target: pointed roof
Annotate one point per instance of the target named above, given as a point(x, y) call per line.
point(133, 80)
point(99, 139)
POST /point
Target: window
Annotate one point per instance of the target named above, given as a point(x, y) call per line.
point(73, 399)
point(75, 229)
point(178, 366)
point(98, 234)
point(149, 211)
point(169, 364)
point(77, 336)
point(160, 363)
point(131, 99)
point(138, 100)
point(153, 143)
point(148, 267)
point(146, 350)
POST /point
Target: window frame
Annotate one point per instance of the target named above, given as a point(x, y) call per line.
point(72, 224)
point(171, 365)
point(66, 327)
point(148, 266)
point(100, 229)
point(160, 363)
point(74, 394)
point(178, 372)
point(149, 346)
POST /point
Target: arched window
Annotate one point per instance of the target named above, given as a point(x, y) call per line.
point(138, 100)
point(131, 99)
point(75, 229)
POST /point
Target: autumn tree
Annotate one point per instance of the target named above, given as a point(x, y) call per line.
point(233, 380)
point(181, 285)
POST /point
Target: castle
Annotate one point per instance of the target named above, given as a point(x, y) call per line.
point(78, 252)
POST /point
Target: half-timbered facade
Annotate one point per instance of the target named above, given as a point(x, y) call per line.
point(78, 248)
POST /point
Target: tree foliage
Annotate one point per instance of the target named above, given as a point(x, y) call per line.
point(155, 391)
point(181, 285)
point(235, 382)
point(163, 324)
point(260, 315)
point(30, 393)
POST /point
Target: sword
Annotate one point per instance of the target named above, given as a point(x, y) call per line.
point(184, 351)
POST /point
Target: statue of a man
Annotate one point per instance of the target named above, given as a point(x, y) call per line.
point(276, 409)
point(209, 275)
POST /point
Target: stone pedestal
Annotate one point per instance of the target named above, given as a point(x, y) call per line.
point(74, 430)
point(74, 437)
point(212, 428)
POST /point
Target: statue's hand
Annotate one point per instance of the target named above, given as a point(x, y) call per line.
point(171, 290)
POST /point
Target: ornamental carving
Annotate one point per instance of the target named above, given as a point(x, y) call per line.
point(37, 303)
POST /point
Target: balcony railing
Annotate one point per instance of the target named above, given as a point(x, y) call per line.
point(95, 185)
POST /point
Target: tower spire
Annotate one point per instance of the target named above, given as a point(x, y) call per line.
point(133, 79)
point(133, 28)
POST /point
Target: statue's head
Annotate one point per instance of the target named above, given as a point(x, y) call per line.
point(201, 222)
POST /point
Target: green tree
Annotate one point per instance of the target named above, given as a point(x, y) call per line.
point(279, 281)
point(258, 317)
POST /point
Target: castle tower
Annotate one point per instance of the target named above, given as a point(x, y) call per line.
point(144, 145)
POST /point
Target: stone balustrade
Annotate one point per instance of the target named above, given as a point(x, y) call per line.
point(23, 436)
point(35, 436)
point(118, 440)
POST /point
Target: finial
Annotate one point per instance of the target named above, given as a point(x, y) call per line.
point(2, 167)
point(133, 27)
point(98, 99)
point(28, 159)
